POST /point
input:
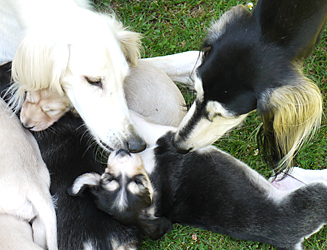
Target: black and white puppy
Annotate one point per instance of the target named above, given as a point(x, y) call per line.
point(209, 188)
point(254, 61)
point(125, 191)
point(65, 147)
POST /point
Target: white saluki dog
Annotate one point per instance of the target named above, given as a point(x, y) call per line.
point(44, 107)
point(24, 189)
point(82, 54)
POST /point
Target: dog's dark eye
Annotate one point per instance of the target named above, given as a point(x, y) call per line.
point(107, 179)
point(206, 49)
point(138, 181)
point(95, 82)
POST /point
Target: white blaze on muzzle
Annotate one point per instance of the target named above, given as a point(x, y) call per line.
point(199, 129)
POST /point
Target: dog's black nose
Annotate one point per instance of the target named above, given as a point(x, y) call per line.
point(27, 126)
point(136, 145)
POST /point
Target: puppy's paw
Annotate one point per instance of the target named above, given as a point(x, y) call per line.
point(155, 228)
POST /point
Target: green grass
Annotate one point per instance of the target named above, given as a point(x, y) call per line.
point(170, 27)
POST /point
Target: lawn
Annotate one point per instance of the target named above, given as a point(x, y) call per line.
point(174, 26)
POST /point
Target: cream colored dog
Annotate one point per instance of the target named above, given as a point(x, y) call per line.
point(148, 91)
point(16, 234)
point(80, 53)
point(24, 187)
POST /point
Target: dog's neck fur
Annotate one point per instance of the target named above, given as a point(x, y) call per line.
point(167, 174)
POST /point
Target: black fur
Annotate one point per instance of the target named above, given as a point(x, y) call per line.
point(255, 54)
point(5, 79)
point(65, 149)
point(137, 207)
point(214, 191)
point(105, 200)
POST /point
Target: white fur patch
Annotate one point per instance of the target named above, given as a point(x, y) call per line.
point(133, 188)
point(91, 179)
point(116, 246)
point(112, 185)
point(121, 200)
point(88, 246)
point(198, 88)
point(206, 132)
point(148, 159)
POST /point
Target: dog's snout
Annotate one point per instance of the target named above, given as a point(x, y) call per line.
point(135, 144)
point(122, 152)
point(27, 126)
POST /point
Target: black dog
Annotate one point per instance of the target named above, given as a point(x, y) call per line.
point(210, 189)
point(5, 78)
point(254, 61)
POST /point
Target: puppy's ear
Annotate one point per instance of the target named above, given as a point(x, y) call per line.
point(294, 24)
point(89, 180)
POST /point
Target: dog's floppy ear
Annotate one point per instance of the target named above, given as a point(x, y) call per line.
point(88, 180)
point(295, 24)
point(40, 62)
point(130, 42)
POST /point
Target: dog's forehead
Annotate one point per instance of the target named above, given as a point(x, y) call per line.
point(33, 96)
point(82, 58)
point(233, 15)
point(100, 61)
point(49, 94)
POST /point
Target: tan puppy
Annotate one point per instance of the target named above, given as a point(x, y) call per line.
point(148, 91)
point(42, 108)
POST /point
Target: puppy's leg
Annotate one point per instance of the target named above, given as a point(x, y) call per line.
point(179, 67)
point(45, 224)
point(16, 234)
point(298, 177)
point(39, 233)
point(155, 228)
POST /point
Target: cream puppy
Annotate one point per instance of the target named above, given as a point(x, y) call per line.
point(24, 184)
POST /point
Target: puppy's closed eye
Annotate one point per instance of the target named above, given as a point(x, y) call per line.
point(109, 183)
point(139, 180)
point(52, 112)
